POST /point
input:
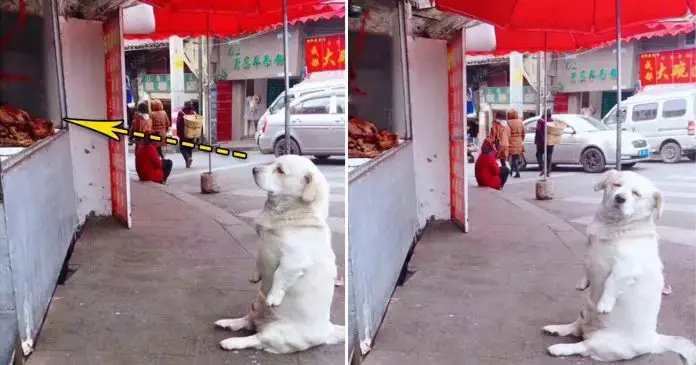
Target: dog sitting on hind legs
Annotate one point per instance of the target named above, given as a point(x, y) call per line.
point(625, 277)
point(296, 264)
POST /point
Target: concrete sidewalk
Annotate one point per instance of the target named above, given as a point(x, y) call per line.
point(150, 295)
point(483, 297)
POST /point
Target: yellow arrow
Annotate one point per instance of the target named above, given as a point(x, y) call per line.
point(109, 128)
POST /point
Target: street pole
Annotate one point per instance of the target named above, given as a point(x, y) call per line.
point(538, 106)
point(618, 85)
point(546, 166)
point(207, 91)
point(200, 74)
point(286, 71)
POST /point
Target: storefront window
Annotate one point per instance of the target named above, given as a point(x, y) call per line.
point(30, 101)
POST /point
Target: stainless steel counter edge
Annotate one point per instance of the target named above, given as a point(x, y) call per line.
point(363, 169)
point(20, 157)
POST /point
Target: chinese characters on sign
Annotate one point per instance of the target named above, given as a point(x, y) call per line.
point(501, 95)
point(592, 75)
point(240, 62)
point(671, 67)
point(161, 83)
point(457, 132)
point(325, 53)
point(115, 100)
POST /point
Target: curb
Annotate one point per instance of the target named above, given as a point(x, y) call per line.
point(572, 238)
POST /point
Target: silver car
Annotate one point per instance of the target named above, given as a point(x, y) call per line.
point(588, 142)
point(317, 127)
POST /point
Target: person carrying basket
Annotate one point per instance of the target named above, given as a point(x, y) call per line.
point(181, 128)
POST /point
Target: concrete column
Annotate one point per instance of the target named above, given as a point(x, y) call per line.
point(176, 74)
point(516, 82)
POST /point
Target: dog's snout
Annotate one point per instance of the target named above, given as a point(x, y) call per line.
point(620, 199)
point(255, 170)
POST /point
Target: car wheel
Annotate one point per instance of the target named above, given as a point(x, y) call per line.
point(321, 157)
point(670, 152)
point(628, 166)
point(592, 160)
point(691, 155)
point(279, 148)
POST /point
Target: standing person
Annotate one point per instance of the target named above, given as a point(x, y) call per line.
point(488, 173)
point(141, 122)
point(516, 141)
point(539, 141)
point(160, 124)
point(186, 152)
point(149, 165)
point(500, 134)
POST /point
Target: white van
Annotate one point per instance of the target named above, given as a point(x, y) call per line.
point(298, 91)
point(665, 116)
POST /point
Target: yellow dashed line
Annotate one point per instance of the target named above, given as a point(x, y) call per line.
point(120, 131)
point(187, 144)
point(155, 137)
point(238, 154)
point(222, 151)
point(173, 141)
point(205, 147)
point(139, 134)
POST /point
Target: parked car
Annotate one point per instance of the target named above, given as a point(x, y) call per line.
point(667, 118)
point(317, 126)
point(589, 143)
point(298, 91)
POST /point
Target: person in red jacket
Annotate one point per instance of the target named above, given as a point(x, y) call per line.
point(149, 165)
point(488, 173)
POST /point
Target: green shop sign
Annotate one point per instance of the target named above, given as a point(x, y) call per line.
point(161, 83)
point(592, 75)
point(240, 62)
point(501, 95)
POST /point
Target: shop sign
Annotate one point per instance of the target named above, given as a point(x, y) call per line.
point(325, 53)
point(260, 57)
point(670, 67)
point(161, 83)
point(246, 62)
point(115, 107)
point(593, 75)
point(456, 82)
point(501, 95)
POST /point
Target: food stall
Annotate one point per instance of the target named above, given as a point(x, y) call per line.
point(52, 177)
point(407, 83)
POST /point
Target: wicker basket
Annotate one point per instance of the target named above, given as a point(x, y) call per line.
point(555, 131)
point(194, 125)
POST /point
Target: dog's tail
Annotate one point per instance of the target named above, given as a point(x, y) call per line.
point(682, 346)
point(337, 335)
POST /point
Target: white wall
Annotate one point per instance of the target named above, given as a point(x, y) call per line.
point(83, 67)
point(429, 118)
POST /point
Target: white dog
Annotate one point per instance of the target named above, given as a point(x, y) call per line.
point(624, 272)
point(295, 264)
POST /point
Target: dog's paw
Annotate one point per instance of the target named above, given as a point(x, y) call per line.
point(231, 344)
point(255, 278)
point(605, 305)
point(552, 330)
point(274, 299)
point(561, 349)
point(231, 324)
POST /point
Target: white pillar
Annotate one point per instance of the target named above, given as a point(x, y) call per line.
point(516, 82)
point(176, 74)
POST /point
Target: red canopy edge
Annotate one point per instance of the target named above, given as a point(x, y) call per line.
point(580, 16)
point(168, 23)
point(231, 7)
point(508, 41)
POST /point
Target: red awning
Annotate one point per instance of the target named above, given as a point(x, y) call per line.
point(192, 19)
point(530, 41)
point(584, 16)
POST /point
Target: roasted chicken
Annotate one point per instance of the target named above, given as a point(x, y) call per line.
point(365, 141)
point(18, 129)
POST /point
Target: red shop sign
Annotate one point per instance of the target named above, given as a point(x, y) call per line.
point(456, 91)
point(325, 53)
point(670, 67)
point(115, 106)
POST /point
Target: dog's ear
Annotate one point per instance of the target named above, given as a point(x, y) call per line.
point(659, 202)
point(313, 188)
point(608, 177)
